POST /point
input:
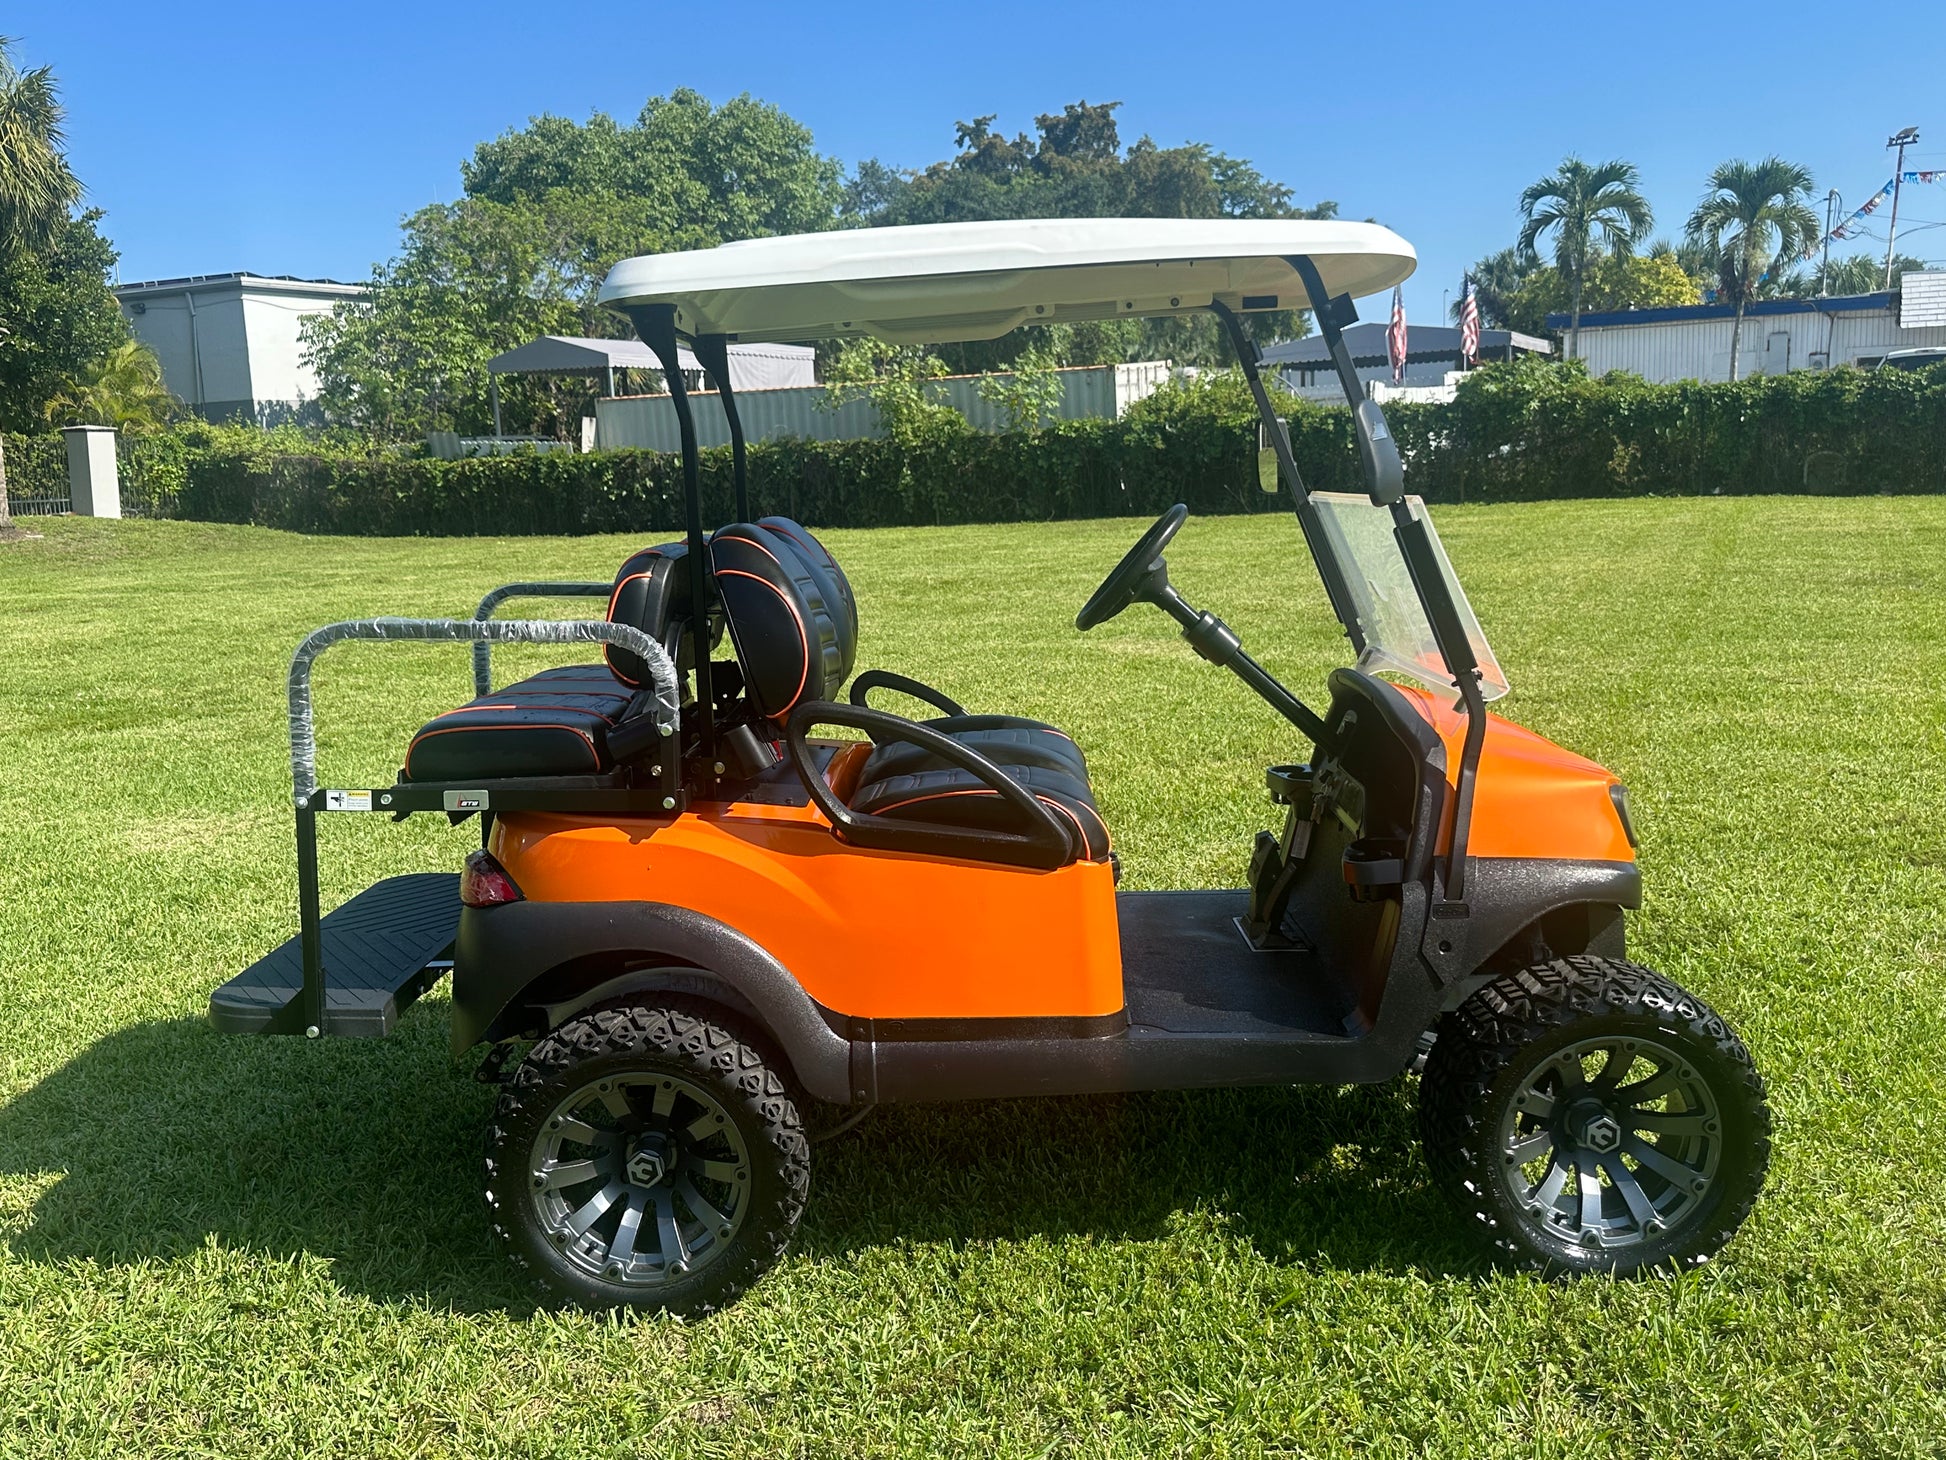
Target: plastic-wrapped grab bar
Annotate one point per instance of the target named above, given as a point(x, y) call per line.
point(483, 652)
point(665, 709)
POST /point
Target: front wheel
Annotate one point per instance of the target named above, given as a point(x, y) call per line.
point(1588, 1115)
point(646, 1157)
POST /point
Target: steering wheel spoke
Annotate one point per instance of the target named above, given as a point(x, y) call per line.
point(1124, 585)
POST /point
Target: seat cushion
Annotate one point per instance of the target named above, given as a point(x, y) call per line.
point(1002, 739)
point(554, 723)
point(956, 798)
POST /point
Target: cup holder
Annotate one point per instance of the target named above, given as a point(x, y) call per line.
point(1374, 866)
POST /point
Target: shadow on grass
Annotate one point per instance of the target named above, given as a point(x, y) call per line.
point(166, 1135)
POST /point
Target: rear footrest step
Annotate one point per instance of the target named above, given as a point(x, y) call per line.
point(377, 952)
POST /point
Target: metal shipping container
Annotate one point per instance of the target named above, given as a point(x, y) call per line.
point(806, 412)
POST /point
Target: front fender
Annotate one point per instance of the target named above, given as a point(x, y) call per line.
point(503, 957)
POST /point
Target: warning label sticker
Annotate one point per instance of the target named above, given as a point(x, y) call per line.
point(347, 800)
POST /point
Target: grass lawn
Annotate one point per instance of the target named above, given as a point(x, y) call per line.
point(219, 1246)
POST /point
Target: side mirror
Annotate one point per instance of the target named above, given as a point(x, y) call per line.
point(1378, 455)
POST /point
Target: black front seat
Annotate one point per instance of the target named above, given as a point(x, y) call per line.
point(793, 621)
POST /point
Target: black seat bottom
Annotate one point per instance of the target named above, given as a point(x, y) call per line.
point(554, 723)
point(909, 783)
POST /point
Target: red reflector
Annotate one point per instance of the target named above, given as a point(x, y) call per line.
point(485, 882)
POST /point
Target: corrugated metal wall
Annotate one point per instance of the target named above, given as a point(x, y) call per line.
point(649, 421)
point(1700, 349)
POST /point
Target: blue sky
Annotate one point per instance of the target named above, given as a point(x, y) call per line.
point(292, 139)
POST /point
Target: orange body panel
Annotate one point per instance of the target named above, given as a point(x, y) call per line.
point(1532, 798)
point(890, 935)
point(877, 935)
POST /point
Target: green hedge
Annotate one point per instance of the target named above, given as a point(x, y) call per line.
point(1516, 432)
point(1074, 469)
point(37, 468)
point(1531, 431)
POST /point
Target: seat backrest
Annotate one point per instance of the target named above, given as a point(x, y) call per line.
point(832, 579)
point(651, 594)
point(790, 636)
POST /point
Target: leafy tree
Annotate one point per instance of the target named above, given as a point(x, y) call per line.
point(58, 317)
point(1029, 392)
point(37, 190)
point(1075, 166)
point(690, 173)
point(1696, 258)
point(1587, 210)
point(897, 380)
point(548, 209)
point(123, 390)
point(472, 279)
point(1756, 217)
point(1646, 281)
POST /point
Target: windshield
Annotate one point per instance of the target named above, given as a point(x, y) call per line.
point(1390, 622)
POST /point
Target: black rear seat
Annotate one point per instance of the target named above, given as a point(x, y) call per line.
point(556, 723)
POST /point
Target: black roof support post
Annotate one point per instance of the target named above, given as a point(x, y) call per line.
point(714, 352)
point(1385, 480)
point(656, 324)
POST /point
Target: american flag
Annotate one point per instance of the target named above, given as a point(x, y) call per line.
point(1395, 337)
point(1469, 326)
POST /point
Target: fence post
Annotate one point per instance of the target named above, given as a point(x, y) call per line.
point(94, 489)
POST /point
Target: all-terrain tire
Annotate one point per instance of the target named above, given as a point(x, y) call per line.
point(1480, 1083)
point(678, 1043)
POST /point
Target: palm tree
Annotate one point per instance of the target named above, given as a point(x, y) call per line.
point(36, 187)
point(1587, 209)
point(1495, 278)
point(123, 391)
point(1757, 217)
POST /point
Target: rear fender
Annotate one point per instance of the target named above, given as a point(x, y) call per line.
point(525, 966)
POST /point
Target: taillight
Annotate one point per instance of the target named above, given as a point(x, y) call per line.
point(485, 882)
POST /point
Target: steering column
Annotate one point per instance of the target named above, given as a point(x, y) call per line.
point(1143, 577)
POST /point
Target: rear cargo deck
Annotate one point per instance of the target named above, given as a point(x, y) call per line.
point(381, 950)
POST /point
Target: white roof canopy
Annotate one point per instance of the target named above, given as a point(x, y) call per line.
point(976, 281)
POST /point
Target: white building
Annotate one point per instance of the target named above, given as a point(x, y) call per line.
point(229, 343)
point(1431, 355)
point(1693, 342)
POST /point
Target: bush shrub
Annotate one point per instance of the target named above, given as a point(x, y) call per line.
point(37, 468)
point(1516, 432)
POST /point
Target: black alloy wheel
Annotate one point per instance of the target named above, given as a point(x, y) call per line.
point(647, 1158)
point(1589, 1115)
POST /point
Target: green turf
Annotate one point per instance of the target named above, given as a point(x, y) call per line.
point(219, 1246)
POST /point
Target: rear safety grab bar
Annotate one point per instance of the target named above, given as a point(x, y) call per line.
point(664, 709)
point(483, 651)
point(1045, 846)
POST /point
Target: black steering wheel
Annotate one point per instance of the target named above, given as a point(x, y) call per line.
point(1119, 589)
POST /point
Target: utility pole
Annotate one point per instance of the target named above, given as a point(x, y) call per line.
point(1900, 140)
point(1832, 202)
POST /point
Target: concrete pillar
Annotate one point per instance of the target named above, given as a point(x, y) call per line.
point(94, 490)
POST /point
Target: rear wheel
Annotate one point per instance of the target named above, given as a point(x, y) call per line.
point(1589, 1115)
point(646, 1157)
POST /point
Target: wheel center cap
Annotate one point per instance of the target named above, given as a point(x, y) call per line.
point(647, 1165)
point(1602, 1134)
